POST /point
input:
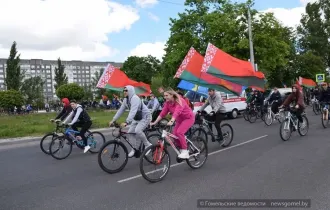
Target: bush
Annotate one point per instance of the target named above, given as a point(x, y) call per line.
point(70, 91)
point(11, 98)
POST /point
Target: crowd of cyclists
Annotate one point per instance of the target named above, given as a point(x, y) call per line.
point(144, 115)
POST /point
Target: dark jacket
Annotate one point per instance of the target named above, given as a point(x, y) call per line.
point(275, 97)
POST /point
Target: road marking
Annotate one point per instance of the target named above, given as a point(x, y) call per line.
point(212, 153)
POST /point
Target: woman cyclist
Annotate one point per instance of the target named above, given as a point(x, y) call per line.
point(297, 98)
point(65, 111)
point(182, 114)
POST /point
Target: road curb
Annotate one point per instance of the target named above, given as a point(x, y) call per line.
point(28, 139)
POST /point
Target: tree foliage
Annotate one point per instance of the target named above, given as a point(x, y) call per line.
point(32, 89)
point(141, 69)
point(70, 91)
point(11, 98)
point(60, 76)
point(14, 74)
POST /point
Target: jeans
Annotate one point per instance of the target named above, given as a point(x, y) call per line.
point(84, 128)
point(217, 118)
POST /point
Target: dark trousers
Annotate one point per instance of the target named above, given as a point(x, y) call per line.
point(275, 106)
point(84, 127)
point(217, 118)
point(298, 113)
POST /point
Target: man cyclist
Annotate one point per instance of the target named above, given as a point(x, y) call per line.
point(275, 97)
point(297, 98)
point(80, 119)
point(137, 108)
point(155, 107)
point(65, 111)
point(218, 111)
point(258, 99)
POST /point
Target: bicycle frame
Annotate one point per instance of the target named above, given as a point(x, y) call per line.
point(289, 118)
point(167, 137)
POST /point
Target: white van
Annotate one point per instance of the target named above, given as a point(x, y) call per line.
point(234, 104)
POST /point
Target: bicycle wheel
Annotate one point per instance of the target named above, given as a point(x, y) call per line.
point(269, 118)
point(159, 156)
point(285, 129)
point(324, 121)
point(161, 125)
point(303, 129)
point(195, 144)
point(113, 155)
point(45, 142)
point(246, 115)
point(281, 117)
point(252, 117)
point(96, 140)
point(199, 132)
point(315, 109)
point(228, 134)
point(56, 146)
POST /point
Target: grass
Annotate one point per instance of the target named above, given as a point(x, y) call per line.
point(39, 124)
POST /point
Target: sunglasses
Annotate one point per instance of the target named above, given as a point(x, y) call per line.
point(124, 90)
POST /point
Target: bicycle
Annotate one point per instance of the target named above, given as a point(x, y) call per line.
point(246, 113)
point(159, 152)
point(69, 138)
point(291, 124)
point(270, 116)
point(59, 129)
point(204, 130)
point(325, 116)
point(316, 106)
point(255, 113)
point(117, 144)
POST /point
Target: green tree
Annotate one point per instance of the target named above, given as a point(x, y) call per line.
point(156, 82)
point(224, 24)
point(141, 69)
point(32, 89)
point(314, 30)
point(70, 91)
point(14, 74)
point(88, 93)
point(11, 98)
point(60, 76)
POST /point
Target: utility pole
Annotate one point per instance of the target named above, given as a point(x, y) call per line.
point(250, 39)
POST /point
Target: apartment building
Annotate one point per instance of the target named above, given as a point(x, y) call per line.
point(80, 72)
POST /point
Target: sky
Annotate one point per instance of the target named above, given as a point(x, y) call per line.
point(103, 30)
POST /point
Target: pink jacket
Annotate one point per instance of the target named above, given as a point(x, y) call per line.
point(178, 112)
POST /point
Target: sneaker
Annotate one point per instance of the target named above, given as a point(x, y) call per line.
point(131, 154)
point(86, 148)
point(184, 154)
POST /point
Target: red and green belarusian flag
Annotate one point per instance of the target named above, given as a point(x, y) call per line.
point(224, 66)
point(308, 83)
point(190, 70)
point(114, 79)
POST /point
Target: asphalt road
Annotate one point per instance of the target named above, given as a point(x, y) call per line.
point(258, 165)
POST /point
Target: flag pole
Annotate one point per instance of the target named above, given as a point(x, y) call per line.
point(250, 39)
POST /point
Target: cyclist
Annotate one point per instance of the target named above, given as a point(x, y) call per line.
point(258, 99)
point(65, 111)
point(138, 118)
point(297, 98)
point(155, 106)
point(80, 119)
point(325, 97)
point(275, 97)
point(181, 114)
point(218, 111)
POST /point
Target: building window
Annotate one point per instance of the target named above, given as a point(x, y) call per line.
point(49, 90)
point(1, 76)
point(47, 67)
point(78, 67)
point(33, 67)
